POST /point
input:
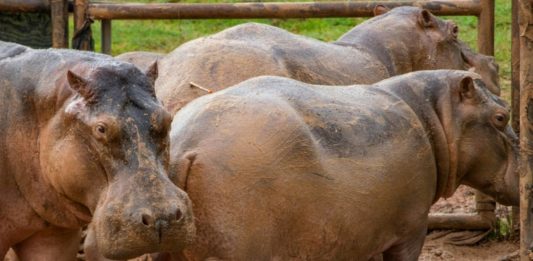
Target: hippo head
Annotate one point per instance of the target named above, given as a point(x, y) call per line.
point(483, 148)
point(408, 39)
point(108, 150)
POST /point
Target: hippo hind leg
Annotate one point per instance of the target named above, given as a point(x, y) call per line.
point(408, 250)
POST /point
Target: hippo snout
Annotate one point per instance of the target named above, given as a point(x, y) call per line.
point(154, 217)
point(158, 223)
point(149, 219)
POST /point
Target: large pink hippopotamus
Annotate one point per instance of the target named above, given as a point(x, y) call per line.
point(82, 137)
point(402, 40)
point(278, 169)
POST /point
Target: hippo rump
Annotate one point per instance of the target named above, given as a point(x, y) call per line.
point(82, 137)
point(402, 40)
point(279, 169)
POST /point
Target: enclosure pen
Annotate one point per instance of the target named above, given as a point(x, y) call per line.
point(85, 11)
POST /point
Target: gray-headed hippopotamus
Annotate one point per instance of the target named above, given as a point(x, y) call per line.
point(82, 137)
point(283, 170)
point(402, 40)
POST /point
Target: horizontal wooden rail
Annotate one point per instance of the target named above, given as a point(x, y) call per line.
point(107, 11)
point(460, 221)
point(29, 6)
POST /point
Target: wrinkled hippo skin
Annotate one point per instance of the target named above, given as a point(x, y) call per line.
point(402, 40)
point(279, 169)
point(143, 60)
point(83, 138)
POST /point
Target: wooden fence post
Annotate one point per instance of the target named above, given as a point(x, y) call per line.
point(59, 11)
point(485, 205)
point(525, 19)
point(106, 36)
point(515, 93)
point(82, 39)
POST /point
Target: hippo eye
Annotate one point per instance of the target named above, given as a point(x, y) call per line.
point(500, 120)
point(101, 129)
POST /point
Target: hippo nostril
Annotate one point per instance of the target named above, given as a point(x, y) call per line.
point(178, 214)
point(147, 219)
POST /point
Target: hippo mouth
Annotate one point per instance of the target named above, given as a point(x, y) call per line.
point(509, 195)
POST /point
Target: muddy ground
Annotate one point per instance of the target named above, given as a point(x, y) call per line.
point(494, 247)
point(439, 244)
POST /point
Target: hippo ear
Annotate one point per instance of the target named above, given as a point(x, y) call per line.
point(425, 19)
point(467, 89)
point(81, 86)
point(152, 72)
point(380, 9)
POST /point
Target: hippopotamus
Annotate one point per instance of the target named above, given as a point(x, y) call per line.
point(143, 60)
point(279, 169)
point(399, 41)
point(83, 138)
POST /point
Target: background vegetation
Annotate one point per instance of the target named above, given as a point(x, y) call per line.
point(165, 35)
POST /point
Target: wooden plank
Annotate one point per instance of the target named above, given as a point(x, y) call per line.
point(59, 13)
point(106, 36)
point(24, 6)
point(485, 205)
point(103, 11)
point(460, 221)
point(82, 39)
point(515, 70)
point(525, 21)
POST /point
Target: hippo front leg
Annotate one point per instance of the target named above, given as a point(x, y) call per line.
point(53, 243)
point(408, 250)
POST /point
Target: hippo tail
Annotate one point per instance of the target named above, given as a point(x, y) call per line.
point(180, 170)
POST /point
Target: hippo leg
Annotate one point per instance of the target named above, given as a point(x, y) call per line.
point(408, 250)
point(53, 243)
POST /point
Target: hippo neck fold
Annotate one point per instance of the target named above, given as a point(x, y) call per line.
point(396, 54)
point(49, 204)
point(430, 101)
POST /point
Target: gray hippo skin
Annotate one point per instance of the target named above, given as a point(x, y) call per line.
point(82, 137)
point(282, 170)
point(402, 40)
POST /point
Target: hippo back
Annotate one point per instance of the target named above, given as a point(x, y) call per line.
point(251, 50)
point(403, 40)
point(280, 169)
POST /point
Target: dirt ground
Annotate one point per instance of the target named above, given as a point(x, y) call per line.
point(438, 246)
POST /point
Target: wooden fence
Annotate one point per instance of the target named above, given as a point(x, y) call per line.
point(522, 70)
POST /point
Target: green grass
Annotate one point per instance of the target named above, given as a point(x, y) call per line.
point(165, 35)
